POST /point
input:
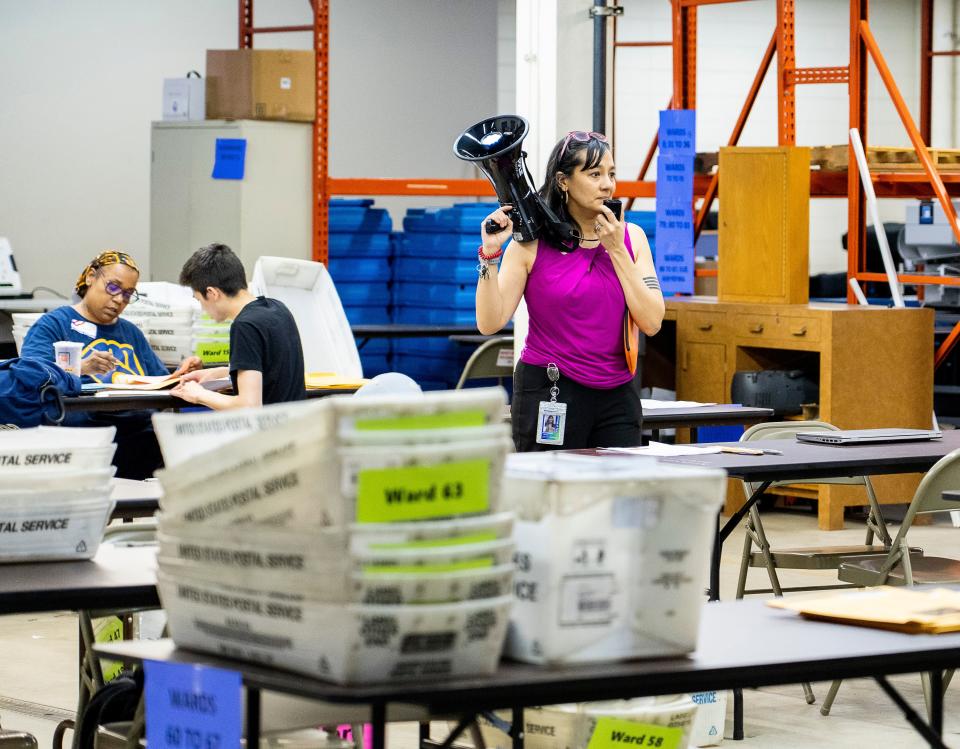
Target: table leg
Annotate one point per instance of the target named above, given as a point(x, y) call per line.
point(379, 724)
point(253, 716)
point(517, 729)
point(936, 702)
point(738, 715)
point(912, 718)
point(424, 733)
point(693, 435)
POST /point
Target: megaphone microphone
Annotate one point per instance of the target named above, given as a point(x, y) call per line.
point(494, 145)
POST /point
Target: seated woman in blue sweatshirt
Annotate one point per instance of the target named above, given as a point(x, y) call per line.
point(110, 345)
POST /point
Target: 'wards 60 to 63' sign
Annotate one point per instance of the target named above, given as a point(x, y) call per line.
point(674, 237)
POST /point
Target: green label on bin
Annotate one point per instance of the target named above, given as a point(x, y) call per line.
point(427, 543)
point(387, 495)
point(448, 420)
point(210, 351)
point(430, 569)
point(613, 733)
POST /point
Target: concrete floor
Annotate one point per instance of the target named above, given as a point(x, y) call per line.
point(38, 674)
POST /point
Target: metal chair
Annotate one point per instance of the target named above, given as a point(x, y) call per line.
point(899, 566)
point(487, 362)
point(815, 558)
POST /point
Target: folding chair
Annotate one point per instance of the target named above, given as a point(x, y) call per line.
point(487, 361)
point(899, 566)
point(814, 558)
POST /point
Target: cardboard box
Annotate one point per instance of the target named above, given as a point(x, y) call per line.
point(183, 98)
point(261, 84)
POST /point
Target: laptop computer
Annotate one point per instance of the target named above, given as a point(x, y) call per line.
point(868, 436)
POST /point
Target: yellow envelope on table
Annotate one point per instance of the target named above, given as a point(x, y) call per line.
point(325, 380)
point(930, 611)
point(124, 381)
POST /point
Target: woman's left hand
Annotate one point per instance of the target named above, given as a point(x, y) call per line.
point(190, 364)
point(610, 230)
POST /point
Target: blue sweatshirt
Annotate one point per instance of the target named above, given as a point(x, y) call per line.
point(123, 339)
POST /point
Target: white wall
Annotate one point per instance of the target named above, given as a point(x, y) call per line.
point(731, 41)
point(82, 81)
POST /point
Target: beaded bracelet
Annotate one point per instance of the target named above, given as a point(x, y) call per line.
point(494, 256)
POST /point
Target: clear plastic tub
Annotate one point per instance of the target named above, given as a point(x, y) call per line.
point(617, 550)
point(347, 644)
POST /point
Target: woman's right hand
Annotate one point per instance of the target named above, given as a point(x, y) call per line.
point(493, 242)
point(97, 363)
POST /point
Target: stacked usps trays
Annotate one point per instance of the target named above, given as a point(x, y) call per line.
point(55, 492)
point(351, 539)
point(175, 327)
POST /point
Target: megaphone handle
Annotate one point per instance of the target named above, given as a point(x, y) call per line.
point(492, 227)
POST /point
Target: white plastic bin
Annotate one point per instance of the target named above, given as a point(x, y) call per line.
point(348, 644)
point(189, 435)
point(359, 419)
point(42, 526)
point(612, 555)
point(66, 459)
point(576, 725)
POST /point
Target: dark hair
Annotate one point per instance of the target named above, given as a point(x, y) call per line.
point(577, 154)
point(215, 265)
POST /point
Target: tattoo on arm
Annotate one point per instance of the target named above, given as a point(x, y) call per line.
point(652, 282)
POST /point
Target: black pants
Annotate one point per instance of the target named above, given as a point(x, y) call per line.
point(595, 418)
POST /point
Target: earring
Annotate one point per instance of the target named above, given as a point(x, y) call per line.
point(566, 196)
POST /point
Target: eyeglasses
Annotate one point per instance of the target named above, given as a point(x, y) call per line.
point(115, 289)
point(581, 136)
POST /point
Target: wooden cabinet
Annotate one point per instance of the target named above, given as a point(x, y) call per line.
point(764, 224)
point(874, 366)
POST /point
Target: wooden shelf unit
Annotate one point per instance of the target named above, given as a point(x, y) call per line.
point(874, 366)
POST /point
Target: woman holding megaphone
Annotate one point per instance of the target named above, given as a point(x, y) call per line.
point(586, 279)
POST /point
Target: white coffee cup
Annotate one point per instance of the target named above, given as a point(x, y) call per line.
point(67, 354)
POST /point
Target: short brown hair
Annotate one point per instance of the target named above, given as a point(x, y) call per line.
point(217, 266)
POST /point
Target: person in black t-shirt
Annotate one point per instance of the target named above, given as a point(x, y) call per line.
point(266, 357)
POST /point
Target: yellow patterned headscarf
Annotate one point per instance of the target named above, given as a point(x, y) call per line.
point(105, 258)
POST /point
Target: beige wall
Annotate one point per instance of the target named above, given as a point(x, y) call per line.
point(82, 81)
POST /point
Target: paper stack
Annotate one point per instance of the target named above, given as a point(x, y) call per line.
point(54, 492)
point(355, 540)
point(911, 610)
point(175, 326)
point(21, 324)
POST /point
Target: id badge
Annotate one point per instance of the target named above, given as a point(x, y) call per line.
point(551, 422)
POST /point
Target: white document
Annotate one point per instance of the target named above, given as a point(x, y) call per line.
point(662, 449)
point(652, 405)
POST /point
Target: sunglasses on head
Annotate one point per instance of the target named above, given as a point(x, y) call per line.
point(115, 289)
point(583, 137)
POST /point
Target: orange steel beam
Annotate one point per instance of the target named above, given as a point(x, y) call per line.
point(856, 205)
point(737, 130)
point(643, 44)
point(945, 53)
point(695, 3)
point(786, 65)
point(321, 192)
point(918, 144)
point(425, 186)
point(799, 76)
point(947, 346)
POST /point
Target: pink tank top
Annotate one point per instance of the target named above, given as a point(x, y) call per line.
point(576, 307)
